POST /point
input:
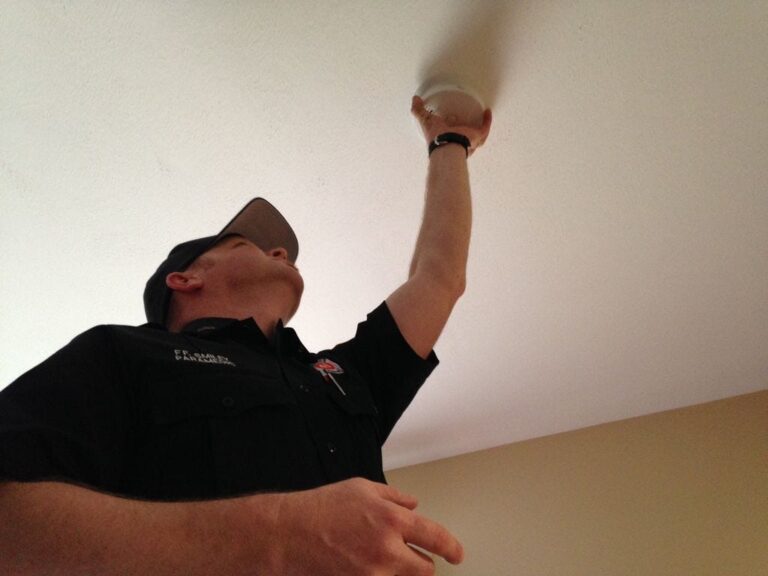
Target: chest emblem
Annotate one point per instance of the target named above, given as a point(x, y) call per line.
point(328, 368)
point(187, 356)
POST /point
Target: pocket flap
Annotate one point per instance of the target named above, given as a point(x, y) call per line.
point(215, 397)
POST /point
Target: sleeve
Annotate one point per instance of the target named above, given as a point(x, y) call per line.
point(65, 419)
point(383, 358)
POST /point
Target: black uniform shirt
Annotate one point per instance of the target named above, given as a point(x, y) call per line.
point(216, 410)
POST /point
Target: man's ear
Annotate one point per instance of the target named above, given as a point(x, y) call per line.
point(183, 281)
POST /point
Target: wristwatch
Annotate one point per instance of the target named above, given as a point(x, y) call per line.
point(449, 138)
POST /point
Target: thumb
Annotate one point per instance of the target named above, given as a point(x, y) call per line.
point(418, 109)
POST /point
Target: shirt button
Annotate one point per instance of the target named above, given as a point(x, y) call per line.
point(228, 401)
point(331, 447)
point(303, 387)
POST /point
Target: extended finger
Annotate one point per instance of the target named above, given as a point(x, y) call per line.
point(487, 120)
point(434, 538)
point(394, 495)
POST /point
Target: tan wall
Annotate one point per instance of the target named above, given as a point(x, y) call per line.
point(675, 493)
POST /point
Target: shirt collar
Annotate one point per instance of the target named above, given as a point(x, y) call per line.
point(284, 338)
point(202, 325)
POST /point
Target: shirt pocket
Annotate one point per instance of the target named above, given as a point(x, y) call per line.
point(180, 452)
point(361, 420)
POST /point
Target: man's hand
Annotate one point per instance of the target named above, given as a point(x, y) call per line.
point(432, 125)
point(358, 528)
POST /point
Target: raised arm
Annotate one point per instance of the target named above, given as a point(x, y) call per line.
point(437, 277)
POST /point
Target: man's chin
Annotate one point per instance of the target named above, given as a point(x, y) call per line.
point(298, 290)
point(298, 286)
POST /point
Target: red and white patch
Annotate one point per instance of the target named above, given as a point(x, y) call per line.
point(327, 366)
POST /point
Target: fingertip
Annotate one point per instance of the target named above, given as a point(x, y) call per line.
point(458, 557)
point(408, 501)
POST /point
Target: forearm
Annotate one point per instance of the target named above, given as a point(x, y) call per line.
point(53, 528)
point(442, 247)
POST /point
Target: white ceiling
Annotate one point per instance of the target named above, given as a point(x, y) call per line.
point(619, 264)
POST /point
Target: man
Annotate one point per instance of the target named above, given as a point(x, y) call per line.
point(210, 441)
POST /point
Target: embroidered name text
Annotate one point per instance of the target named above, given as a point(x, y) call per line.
point(188, 356)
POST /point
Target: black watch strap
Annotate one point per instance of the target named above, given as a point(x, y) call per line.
point(449, 138)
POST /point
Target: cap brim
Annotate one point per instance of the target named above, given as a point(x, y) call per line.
point(262, 224)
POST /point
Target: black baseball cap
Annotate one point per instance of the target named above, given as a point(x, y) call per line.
point(258, 221)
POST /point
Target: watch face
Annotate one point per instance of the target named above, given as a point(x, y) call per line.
point(452, 137)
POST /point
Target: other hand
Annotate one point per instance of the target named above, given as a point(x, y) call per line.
point(359, 528)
